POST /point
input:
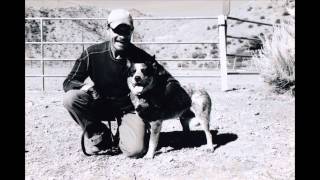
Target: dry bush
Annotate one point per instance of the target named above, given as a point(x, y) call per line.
point(276, 61)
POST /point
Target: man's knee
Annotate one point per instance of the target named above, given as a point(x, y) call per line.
point(133, 151)
point(132, 137)
point(71, 97)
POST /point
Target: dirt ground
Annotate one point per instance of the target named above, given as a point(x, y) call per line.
point(253, 128)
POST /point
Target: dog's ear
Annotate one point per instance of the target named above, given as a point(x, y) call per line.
point(158, 68)
point(130, 69)
point(155, 65)
point(151, 60)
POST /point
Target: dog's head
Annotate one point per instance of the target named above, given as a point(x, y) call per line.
point(141, 74)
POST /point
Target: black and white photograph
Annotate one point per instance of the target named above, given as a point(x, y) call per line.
point(160, 89)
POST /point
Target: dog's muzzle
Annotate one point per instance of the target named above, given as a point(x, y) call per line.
point(137, 79)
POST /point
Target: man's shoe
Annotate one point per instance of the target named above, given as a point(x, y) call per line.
point(96, 139)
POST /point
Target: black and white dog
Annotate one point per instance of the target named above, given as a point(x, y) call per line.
point(144, 78)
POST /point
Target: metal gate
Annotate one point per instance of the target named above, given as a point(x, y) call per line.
point(222, 25)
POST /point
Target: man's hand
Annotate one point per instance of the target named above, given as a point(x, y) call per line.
point(86, 87)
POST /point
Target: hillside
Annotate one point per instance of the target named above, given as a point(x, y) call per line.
point(159, 30)
point(272, 12)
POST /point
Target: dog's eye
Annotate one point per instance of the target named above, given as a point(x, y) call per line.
point(132, 71)
point(147, 72)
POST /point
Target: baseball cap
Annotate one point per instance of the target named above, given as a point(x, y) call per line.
point(119, 16)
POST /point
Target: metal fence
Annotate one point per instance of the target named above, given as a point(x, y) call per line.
point(243, 38)
point(222, 24)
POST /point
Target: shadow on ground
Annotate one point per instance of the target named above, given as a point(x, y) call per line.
point(179, 139)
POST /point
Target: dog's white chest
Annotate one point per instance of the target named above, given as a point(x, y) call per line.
point(137, 89)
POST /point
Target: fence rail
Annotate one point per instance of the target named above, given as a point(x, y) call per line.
point(245, 38)
point(47, 42)
point(239, 55)
point(134, 18)
point(222, 24)
point(248, 21)
point(73, 59)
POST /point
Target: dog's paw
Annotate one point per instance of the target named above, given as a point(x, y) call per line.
point(208, 147)
point(149, 156)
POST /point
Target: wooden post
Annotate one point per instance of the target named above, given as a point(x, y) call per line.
point(223, 51)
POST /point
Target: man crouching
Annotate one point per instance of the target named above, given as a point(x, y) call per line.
point(108, 99)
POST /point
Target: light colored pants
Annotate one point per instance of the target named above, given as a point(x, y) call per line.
point(132, 134)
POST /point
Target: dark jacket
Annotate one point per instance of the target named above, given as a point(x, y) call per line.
point(109, 76)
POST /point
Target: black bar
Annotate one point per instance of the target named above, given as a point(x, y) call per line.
point(237, 19)
point(235, 37)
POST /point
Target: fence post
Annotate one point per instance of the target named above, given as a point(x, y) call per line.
point(223, 51)
point(42, 55)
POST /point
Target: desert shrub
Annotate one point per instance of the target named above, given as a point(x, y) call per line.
point(202, 55)
point(208, 28)
point(262, 17)
point(214, 46)
point(199, 55)
point(277, 21)
point(250, 26)
point(249, 9)
point(164, 64)
point(215, 56)
point(44, 12)
point(209, 65)
point(269, 7)
point(276, 61)
point(175, 56)
point(195, 55)
point(214, 51)
point(239, 22)
point(183, 65)
point(286, 13)
point(254, 45)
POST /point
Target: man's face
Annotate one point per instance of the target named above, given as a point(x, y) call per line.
point(120, 36)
